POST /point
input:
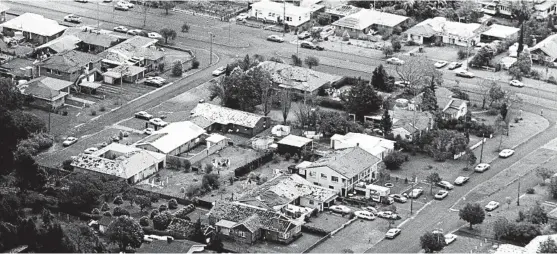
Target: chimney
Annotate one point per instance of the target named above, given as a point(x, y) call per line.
point(357, 144)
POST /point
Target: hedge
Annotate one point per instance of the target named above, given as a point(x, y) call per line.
point(314, 230)
point(330, 103)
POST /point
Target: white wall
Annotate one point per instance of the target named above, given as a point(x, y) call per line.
point(293, 18)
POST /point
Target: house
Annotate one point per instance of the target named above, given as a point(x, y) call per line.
point(49, 93)
point(171, 246)
point(93, 41)
point(58, 45)
point(378, 147)
point(19, 69)
point(366, 22)
point(299, 79)
point(138, 50)
point(275, 12)
point(452, 108)
point(341, 11)
point(248, 224)
point(35, 28)
point(3, 10)
point(499, 32)
point(448, 32)
point(545, 50)
point(72, 65)
point(409, 124)
point(174, 139)
point(103, 223)
point(530, 248)
point(121, 161)
point(342, 169)
point(293, 144)
point(231, 120)
point(497, 7)
point(123, 73)
point(202, 122)
point(544, 9)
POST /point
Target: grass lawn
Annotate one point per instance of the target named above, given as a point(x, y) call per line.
point(328, 221)
point(465, 244)
point(446, 53)
point(358, 237)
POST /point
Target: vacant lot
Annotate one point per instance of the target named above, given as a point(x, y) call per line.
point(328, 221)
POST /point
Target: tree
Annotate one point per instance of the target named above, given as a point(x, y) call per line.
point(285, 103)
point(210, 181)
point(216, 243)
point(296, 61)
point(29, 175)
point(83, 239)
point(198, 235)
point(537, 214)
point(388, 50)
point(242, 89)
point(482, 57)
point(472, 213)
point(521, 12)
point(311, 61)
point(306, 114)
point(496, 93)
point(167, 34)
point(433, 179)
point(331, 123)
point(162, 220)
point(185, 27)
point(395, 42)
point(524, 62)
point(386, 122)
point(547, 246)
point(442, 144)
point(380, 80)
point(469, 10)
point(316, 34)
point(418, 74)
point(394, 160)
point(470, 158)
point(168, 5)
point(267, 92)
point(125, 232)
point(177, 68)
point(118, 200)
point(429, 100)
point(172, 204)
point(500, 227)
point(544, 173)
point(361, 100)
point(143, 202)
point(431, 242)
point(504, 110)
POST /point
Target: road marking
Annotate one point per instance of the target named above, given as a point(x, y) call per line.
point(79, 125)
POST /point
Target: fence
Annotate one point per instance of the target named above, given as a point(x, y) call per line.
point(180, 200)
point(248, 167)
point(310, 248)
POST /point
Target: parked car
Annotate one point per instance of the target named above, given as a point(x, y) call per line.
point(72, 18)
point(121, 8)
point(388, 215)
point(392, 233)
point(465, 74)
point(309, 45)
point(340, 209)
point(219, 71)
point(135, 32)
point(154, 35)
point(441, 194)
point(492, 205)
point(158, 122)
point(461, 180)
point(445, 185)
point(416, 193)
point(69, 141)
point(275, 38)
point(143, 115)
point(482, 167)
point(90, 150)
point(398, 198)
point(242, 17)
point(395, 61)
point(506, 153)
point(155, 81)
point(148, 131)
point(304, 35)
point(125, 3)
point(365, 215)
point(82, 1)
point(450, 238)
point(120, 29)
point(454, 65)
point(371, 209)
point(516, 83)
point(440, 64)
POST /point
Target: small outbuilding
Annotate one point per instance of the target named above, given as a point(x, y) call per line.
point(293, 144)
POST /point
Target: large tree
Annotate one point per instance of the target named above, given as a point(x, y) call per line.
point(83, 238)
point(242, 89)
point(331, 123)
point(29, 175)
point(168, 5)
point(472, 213)
point(380, 80)
point(386, 122)
point(418, 74)
point(311, 61)
point(429, 100)
point(433, 179)
point(521, 12)
point(362, 100)
point(431, 242)
point(285, 104)
point(126, 232)
point(168, 33)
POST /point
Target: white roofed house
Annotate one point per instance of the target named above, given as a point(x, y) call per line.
point(231, 120)
point(293, 144)
point(35, 28)
point(137, 51)
point(274, 12)
point(377, 146)
point(450, 32)
point(499, 32)
point(364, 22)
point(545, 50)
point(174, 139)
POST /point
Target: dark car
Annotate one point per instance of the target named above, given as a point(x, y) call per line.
point(309, 45)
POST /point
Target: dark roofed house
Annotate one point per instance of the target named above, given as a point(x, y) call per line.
point(71, 66)
point(138, 50)
point(547, 49)
point(452, 108)
point(231, 120)
point(408, 124)
point(49, 93)
point(93, 41)
point(19, 69)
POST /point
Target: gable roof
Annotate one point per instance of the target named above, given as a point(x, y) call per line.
point(61, 44)
point(42, 91)
point(343, 10)
point(201, 121)
point(92, 37)
point(348, 162)
point(295, 141)
point(69, 61)
point(442, 26)
point(137, 46)
point(299, 78)
point(252, 223)
point(52, 83)
point(548, 46)
point(367, 17)
point(224, 115)
point(405, 119)
point(500, 31)
point(173, 136)
point(35, 24)
point(20, 67)
point(373, 145)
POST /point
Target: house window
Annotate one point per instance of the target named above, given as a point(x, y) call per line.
point(311, 202)
point(241, 233)
point(343, 180)
point(316, 183)
point(323, 176)
point(299, 18)
point(288, 18)
point(334, 179)
point(311, 173)
point(331, 187)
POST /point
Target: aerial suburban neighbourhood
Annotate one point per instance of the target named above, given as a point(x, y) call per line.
point(274, 126)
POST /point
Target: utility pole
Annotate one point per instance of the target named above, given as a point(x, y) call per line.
point(518, 194)
point(229, 27)
point(283, 17)
point(211, 50)
point(411, 199)
point(144, 13)
point(467, 53)
point(482, 151)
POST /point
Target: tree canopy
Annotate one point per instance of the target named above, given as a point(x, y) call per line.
point(472, 213)
point(431, 242)
point(126, 232)
point(362, 100)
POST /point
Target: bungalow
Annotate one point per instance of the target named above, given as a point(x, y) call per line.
point(35, 28)
point(409, 124)
point(366, 21)
point(342, 11)
point(449, 32)
point(138, 50)
point(174, 139)
point(248, 224)
point(120, 161)
point(58, 45)
point(452, 108)
point(545, 50)
point(545, 9)
point(497, 7)
point(293, 144)
point(49, 93)
point(299, 79)
point(499, 32)
point(18, 69)
point(342, 169)
point(72, 65)
point(93, 41)
point(290, 14)
point(231, 120)
point(378, 147)
point(123, 73)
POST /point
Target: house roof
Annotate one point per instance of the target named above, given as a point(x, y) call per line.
point(367, 17)
point(69, 61)
point(251, 223)
point(174, 246)
point(61, 44)
point(215, 138)
point(548, 46)
point(509, 248)
point(343, 10)
point(348, 162)
point(127, 162)
point(225, 224)
point(534, 244)
point(126, 70)
point(93, 37)
point(441, 26)
point(173, 136)
point(373, 145)
point(405, 119)
point(34, 23)
point(501, 31)
point(137, 46)
point(201, 121)
point(42, 91)
point(443, 95)
point(52, 83)
point(293, 140)
point(299, 78)
point(20, 67)
point(224, 115)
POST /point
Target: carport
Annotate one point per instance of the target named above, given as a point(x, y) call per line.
point(90, 87)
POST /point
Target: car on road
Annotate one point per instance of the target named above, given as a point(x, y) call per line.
point(416, 193)
point(148, 131)
point(441, 194)
point(155, 81)
point(242, 17)
point(73, 19)
point(454, 65)
point(121, 8)
point(395, 61)
point(465, 74)
point(309, 45)
point(143, 115)
point(388, 215)
point(134, 32)
point(398, 198)
point(340, 209)
point(506, 153)
point(82, 1)
point(158, 122)
point(445, 185)
point(125, 3)
point(371, 209)
point(154, 35)
point(365, 215)
point(120, 29)
point(304, 35)
point(450, 238)
point(219, 71)
point(440, 64)
point(482, 167)
point(392, 233)
point(69, 141)
point(275, 38)
point(492, 205)
point(461, 180)
point(90, 150)
point(516, 83)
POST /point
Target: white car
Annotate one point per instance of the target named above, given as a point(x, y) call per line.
point(365, 215)
point(125, 3)
point(482, 167)
point(371, 209)
point(395, 61)
point(441, 194)
point(158, 122)
point(454, 65)
point(506, 153)
point(219, 71)
point(340, 209)
point(465, 74)
point(516, 83)
point(90, 150)
point(275, 38)
point(154, 35)
point(242, 16)
point(69, 141)
point(398, 198)
point(388, 215)
point(440, 64)
point(445, 185)
point(304, 35)
point(143, 115)
point(72, 18)
point(121, 29)
point(461, 180)
point(121, 8)
point(416, 193)
point(148, 131)
point(492, 205)
point(450, 238)
point(392, 233)
point(402, 83)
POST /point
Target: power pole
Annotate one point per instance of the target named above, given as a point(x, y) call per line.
point(211, 49)
point(229, 27)
point(518, 194)
point(411, 199)
point(283, 17)
point(482, 151)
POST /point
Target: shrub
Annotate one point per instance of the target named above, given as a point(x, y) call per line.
point(492, 112)
point(394, 160)
point(314, 230)
point(65, 113)
point(93, 112)
point(102, 109)
point(172, 204)
point(287, 156)
point(96, 211)
point(107, 213)
point(144, 221)
point(118, 211)
point(262, 180)
point(163, 208)
point(177, 68)
point(530, 191)
point(183, 212)
point(276, 158)
point(194, 63)
point(67, 165)
point(552, 80)
point(161, 221)
point(535, 74)
point(105, 207)
point(208, 168)
point(118, 200)
point(330, 103)
point(182, 190)
point(210, 181)
point(461, 54)
point(154, 213)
